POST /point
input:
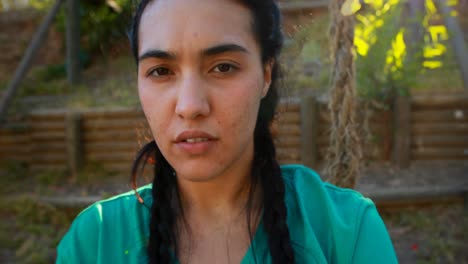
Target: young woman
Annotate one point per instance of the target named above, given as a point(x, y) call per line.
point(207, 81)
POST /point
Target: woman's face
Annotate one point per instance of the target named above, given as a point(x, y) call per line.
point(200, 82)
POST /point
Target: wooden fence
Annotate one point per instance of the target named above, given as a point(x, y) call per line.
point(433, 129)
point(439, 128)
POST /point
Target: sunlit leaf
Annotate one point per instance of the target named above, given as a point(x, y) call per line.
point(430, 7)
point(434, 51)
point(361, 46)
point(114, 5)
point(438, 33)
point(350, 7)
point(432, 64)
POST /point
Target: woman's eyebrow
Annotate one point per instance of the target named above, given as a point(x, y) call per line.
point(223, 48)
point(158, 54)
point(209, 52)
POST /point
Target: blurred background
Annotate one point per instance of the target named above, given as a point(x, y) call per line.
point(71, 121)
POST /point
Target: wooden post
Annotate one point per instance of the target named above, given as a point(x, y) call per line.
point(73, 142)
point(22, 69)
point(309, 130)
point(465, 202)
point(457, 40)
point(73, 42)
point(402, 130)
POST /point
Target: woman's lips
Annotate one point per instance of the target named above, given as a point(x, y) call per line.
point(195, 142)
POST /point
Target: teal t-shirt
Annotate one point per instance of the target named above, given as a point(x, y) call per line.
point(327, 224)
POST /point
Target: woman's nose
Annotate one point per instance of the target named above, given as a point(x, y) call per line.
point(192, 101)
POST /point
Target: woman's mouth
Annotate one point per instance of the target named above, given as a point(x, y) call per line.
point(195, 142)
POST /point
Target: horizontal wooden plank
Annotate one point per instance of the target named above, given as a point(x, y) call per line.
point(14, 139)
point(444, 116)
point(376, 117)
point(374, 127)
point(439, 102)
point(439, 153)
point(288, 107)
point(288, 118)
point(14, 149)
point(369, 152)
point(49, 157)
point(15, 157)
point(103, 147)
point(324, 139)
point(439, 141)
point(113, 135)
point(113, 124)
point(48, 135)
point(288, 130)
point(439, 129)
point(123, 113)
point(48, 126)
point(54, 147)
point(288, 141)
point(288, 154)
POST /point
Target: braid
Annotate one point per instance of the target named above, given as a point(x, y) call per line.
point(274, 208)
point(163, 216)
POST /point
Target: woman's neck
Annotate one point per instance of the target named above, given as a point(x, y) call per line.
point(220, 197)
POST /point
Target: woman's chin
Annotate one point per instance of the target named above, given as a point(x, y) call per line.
point(197, 172)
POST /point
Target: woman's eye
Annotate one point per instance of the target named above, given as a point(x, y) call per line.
point(160, 71)
point(224, 67)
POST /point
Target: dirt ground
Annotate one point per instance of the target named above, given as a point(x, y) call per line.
point(30, 230)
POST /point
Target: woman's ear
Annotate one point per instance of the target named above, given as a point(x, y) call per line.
point(267, 71)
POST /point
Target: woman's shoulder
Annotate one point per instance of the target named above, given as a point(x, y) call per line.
point(306, 191)
point(304, 181)
point(119, 204)
point(121, 219)
point(330, 222)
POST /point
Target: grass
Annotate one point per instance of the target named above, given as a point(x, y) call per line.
point(32, 229)
point(433, 235)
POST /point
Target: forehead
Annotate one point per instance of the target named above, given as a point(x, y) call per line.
point(181, 25)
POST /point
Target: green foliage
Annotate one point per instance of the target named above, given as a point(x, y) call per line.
point(12, 173)
point(93, 172)
point(102, 25)
point(306, 57)
point(383, 71)
point(49, 73)
point(50, 177)
point(41, 4)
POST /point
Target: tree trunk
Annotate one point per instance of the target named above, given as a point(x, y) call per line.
point(345, 150)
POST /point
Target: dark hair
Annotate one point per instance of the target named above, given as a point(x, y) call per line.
point(265, 170)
